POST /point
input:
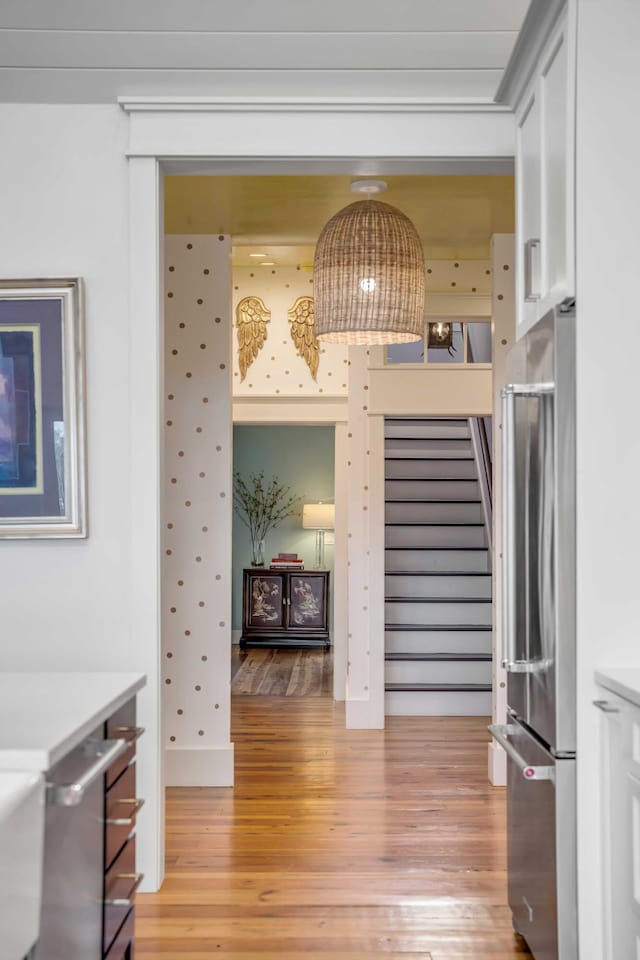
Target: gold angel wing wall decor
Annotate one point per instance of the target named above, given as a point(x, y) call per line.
point(303, 333)
point(252, 317)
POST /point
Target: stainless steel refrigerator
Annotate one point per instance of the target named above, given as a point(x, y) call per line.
point(539, 625)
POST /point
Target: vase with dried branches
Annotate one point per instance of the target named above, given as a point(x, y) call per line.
point(262, 505)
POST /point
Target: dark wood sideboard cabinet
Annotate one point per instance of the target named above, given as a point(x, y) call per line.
point(285, 608)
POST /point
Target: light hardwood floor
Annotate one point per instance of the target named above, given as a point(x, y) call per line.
point(336, 843)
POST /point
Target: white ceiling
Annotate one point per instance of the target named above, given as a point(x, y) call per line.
point(93, 51)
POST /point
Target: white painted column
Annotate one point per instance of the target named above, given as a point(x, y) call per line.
point(144, 519)
point(363, 707)
point(340, 584)
point(503, 323)
point(196, 605)
point(377, 536)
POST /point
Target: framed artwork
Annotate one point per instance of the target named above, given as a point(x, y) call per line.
point(42, 435)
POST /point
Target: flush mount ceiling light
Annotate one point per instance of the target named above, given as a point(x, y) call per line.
point(368, 274)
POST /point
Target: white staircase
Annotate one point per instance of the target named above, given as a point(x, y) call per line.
point(438, 572)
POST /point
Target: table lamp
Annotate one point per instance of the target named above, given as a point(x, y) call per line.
point(318, 517)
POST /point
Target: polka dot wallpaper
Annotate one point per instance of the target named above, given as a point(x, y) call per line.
point(196, 616)
point(458, 276)
point(358, 452)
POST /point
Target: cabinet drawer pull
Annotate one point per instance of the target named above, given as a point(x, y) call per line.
point(532, 270)
point(127, 821)
point(605, 706)
point(136, 731)
point(126, 901)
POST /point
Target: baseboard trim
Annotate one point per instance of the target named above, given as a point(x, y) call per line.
point(361, 715)
point(497, 765)
point(199, 767)
point(235, 636)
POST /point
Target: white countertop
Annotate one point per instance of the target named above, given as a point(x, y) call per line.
point(44, 715)
point(625, 681)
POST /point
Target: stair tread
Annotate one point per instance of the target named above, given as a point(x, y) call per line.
point(486, 549)
point(445, 627)
point(439, 687)
point(393, 599)
point(438, 573)
point(432, 439)
point(434, 523)
point(437, 548)
point(463, 657)
point(432, 479)
point(423, 457)
point(428, 500)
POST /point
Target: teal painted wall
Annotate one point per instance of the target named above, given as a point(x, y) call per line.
point(303, 458)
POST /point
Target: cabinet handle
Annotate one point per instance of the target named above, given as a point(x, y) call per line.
point(126, 901)
point(532, 270)
point(136, 731)
point(605, 706)
point(71, 794)
point(127, 821)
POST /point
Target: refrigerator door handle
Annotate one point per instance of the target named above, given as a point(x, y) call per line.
point(510, 660)
point(500, 732)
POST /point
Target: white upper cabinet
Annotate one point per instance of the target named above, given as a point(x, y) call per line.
point(540, 84)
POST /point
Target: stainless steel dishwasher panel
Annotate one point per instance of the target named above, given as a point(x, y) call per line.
point(71, 927)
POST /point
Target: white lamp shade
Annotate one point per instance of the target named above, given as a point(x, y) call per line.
point(318, 516)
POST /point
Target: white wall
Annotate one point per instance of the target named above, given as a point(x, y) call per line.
point(73, 205)
point(608, 440)
point(66, 605)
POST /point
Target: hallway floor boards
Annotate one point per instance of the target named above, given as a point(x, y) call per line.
point(336, 843)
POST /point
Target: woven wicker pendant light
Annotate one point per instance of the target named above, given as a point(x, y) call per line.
point(368, 277)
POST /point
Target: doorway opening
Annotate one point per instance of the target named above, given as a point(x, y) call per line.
point(206, 273)
point(280, 649)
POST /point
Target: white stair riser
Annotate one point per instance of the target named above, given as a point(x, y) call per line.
point(418, 449)
point(409, 480)
point(438, 641)
point(450, 429)
point(404, 471)
point(475, 614)
point(435, 536)
point(440, 586)
point(437, 704)
point(426, 560)
point(444, 512)
point(438, 671)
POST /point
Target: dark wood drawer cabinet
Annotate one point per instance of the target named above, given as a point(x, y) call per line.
point(283, 608)
point(121, 806)
point(123, 944)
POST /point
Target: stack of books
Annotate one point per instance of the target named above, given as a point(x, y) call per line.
point(287, 561)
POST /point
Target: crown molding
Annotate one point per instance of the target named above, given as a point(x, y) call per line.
point(306, 105)
point(541, 19)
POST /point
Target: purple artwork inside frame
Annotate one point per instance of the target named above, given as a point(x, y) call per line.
point(41, 413)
